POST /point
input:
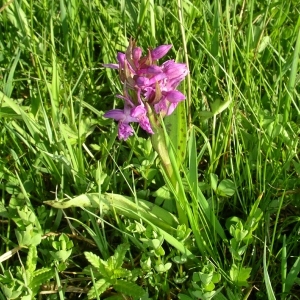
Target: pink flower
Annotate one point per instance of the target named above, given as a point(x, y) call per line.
point(124, 118)
point(140, 113)
point(130, 113)
point(160, 51)
point(169, 102)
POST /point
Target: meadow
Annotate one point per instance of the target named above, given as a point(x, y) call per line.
point(207, 207)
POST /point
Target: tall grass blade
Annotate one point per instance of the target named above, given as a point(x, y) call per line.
point(270, 292)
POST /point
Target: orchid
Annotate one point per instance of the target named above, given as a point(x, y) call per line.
point(124, 118)
point(130, 113)
point(146, 82)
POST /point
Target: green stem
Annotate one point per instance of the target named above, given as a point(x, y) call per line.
point(159, 144)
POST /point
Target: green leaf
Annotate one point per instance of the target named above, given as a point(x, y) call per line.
point(162, 220)
point(129, 288)
point(162, 268)
point(31, 259)
point(100, 287)
point(198, 294)
point(120, 253)
point(184, 297)
point(159, 251)
point(10, 293)
point(93, 259)
point(129, 207)
point(240, 275)
point(270, 292)
point(8, 112)
point(155, 243)
point(206, 278)
point(218, 106)
point(206, 114)
point(176, 126)
point(254, 216)
point(292, 275)
point(265, 41)
point(145, 263)
point(226, 188)
point(26, 215)
point(183, 232)
point(180, 259)
point(213, 181)
point(209, 287)
point(238, 231)
point(219, 296)
point(65, 242)
point(28, 237)
point(120, 273)
point(39, 277)
point(216, 278)
point(61, 255)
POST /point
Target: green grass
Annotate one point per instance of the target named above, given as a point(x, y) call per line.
point(84, 214)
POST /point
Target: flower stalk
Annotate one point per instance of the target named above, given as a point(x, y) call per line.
point(149, 94)
point(159, 143)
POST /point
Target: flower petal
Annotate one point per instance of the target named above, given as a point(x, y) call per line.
point(142, 81)
point(160, 51)
point(151, 70)
point(174, 70)
point(125, 131)
point(117, 114)
point(161, 106)
point(171, 108)
point(121, 59)
point(145, 124)
point(111, 66)
point(157, 78)
point(154, 70)
point(136, 54)
point(174, 96)
point(138, 111)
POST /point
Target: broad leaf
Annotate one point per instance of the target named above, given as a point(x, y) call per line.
point(119, 255)
point(240, 275)
point(40, 277)
point(129, 288)
point(93, 259)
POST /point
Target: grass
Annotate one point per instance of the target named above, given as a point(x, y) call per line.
point(85, 215)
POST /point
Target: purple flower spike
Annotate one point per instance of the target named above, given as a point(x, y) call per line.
point(145, 81)
point(160, 51)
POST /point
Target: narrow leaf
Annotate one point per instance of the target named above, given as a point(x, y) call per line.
point(176, 126)
point(270, 292)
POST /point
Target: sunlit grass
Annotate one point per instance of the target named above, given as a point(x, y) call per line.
point(229, 230)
